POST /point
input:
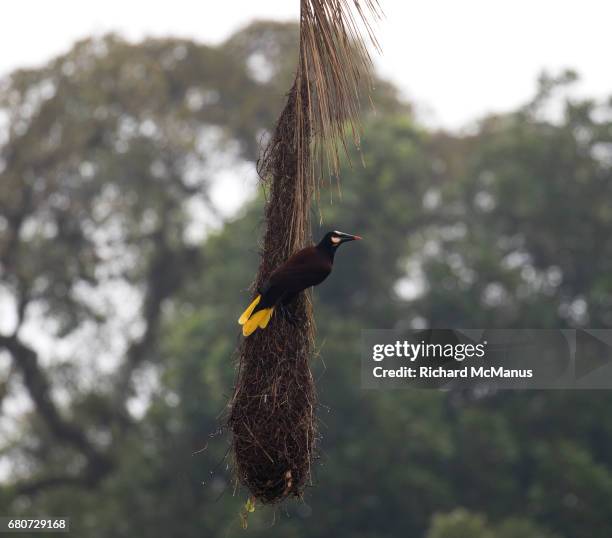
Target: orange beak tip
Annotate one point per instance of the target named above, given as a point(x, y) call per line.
point(358, 237)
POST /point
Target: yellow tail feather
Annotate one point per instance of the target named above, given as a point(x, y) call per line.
point(259, 319)
point(247, 313)
point(266, 319)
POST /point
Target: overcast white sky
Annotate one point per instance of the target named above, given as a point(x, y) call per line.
point(456, 58)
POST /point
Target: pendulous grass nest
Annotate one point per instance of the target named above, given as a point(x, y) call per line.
point(272, 410)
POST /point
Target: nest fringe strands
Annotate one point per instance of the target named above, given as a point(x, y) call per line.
point(272, 411)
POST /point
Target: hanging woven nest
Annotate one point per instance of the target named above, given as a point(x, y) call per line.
point(272, 411)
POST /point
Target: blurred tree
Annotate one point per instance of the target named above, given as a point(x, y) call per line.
point(528, 242)
point(463, 524)
point(459, 524)
point(106, 167)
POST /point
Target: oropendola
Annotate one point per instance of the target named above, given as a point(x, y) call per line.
point(307, 267)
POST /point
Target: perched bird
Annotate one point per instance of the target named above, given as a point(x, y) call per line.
point(307, 267)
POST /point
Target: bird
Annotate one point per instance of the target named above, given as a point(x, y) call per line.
point(307, 267)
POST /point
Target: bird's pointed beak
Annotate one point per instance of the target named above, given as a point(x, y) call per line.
point(350, 237)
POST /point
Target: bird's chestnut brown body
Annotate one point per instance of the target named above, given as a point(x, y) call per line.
point(307, 267)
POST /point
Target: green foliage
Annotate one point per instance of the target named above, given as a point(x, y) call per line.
point(530, 245)
point(459, 524)
point(463, 524)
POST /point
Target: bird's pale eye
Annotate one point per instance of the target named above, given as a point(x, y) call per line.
point(335, 240)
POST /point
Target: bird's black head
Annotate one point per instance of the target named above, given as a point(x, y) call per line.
point(332, 240)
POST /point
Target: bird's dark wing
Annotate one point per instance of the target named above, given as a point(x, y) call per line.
point(304, 269)
point(301, 257)
point(295, 278)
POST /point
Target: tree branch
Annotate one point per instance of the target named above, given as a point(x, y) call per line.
point(88, 478)
point(165, 275)
point(39, 389)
